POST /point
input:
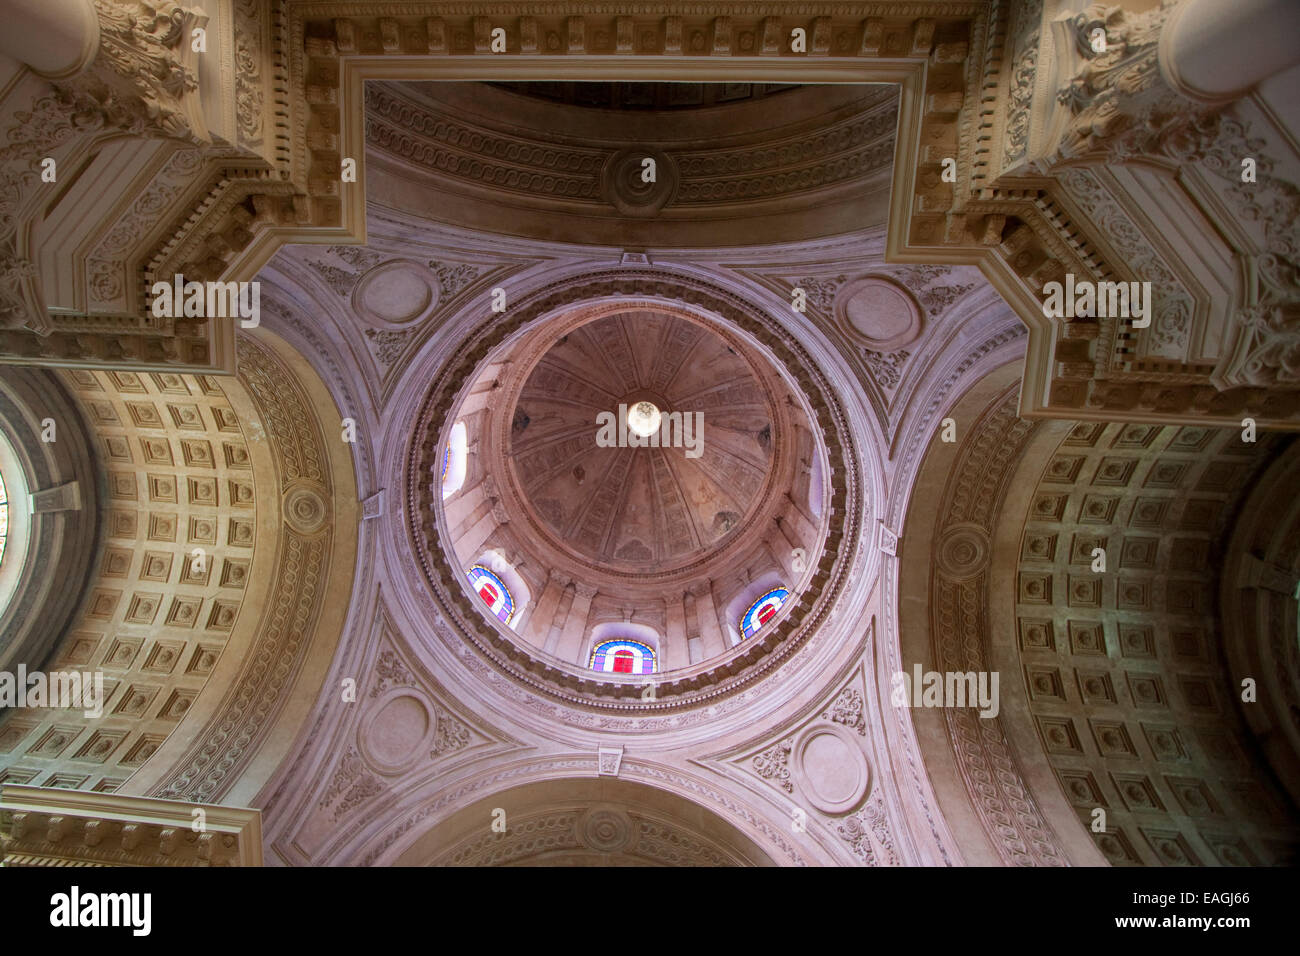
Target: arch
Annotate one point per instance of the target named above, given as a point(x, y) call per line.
point(54, 513)
point(621, 655)
point(1111, 694)
point(572, 821)
point(280, 676)
point(494, 592)
point(747, 599)
point(629, 632)
point(1260, 617)
point(455, 459)
point(762, 611)
point(15, 517)
point(513, 596)
point(1038, 818)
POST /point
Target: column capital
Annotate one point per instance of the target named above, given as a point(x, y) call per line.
point(700, 588)
point(144, 77)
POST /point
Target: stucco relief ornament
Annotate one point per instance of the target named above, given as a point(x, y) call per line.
point(860, 829)
point(387, 346)
point(248, 71)
point(52, 121)
point(848, 710)
point(821, 292)
point(1119, 88)
point(886, 368)
point(773, 764)
point(1275, 356)
point(1024, 70)
point(390, 672)
point(141, 79)
point(14, 274)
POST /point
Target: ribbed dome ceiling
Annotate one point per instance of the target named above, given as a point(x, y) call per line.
point(645, 508)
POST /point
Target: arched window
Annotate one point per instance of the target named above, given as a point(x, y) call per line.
point(622, 656)
point(762, 611)
point(493, 592)
point(455, 459)
point(4, 518)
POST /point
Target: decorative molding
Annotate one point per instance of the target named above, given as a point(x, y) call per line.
point(608, 760)
point(867, 833)
point(773, 764)
point(984, 754)
point(847, 709)
point(57, 827)
point(212, 762)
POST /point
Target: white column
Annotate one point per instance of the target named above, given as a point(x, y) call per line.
point(575, 625)
point(467, 548)
point(676, 652)
point(1220, 49)
point(706, 613)
point(539, 625)
point(56, 38)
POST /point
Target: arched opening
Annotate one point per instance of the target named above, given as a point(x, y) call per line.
point(454, 460)
point(584, 822)
point(15, 520)
point(501, 588)
point(624, 647)
point(755, 606)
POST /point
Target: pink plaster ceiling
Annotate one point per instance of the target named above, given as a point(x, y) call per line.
point(641, 507)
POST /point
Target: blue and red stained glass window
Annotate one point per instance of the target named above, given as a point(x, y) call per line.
point(622, 656)
point(762, 611)
point(493, 591)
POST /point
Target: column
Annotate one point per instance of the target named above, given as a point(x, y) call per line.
point(539, 624)
point(56, 38)
point(575, 625)
point(802, 524)
point(462, 505)
point(676, 652)
point(467, 548)
point(1218, 50)
point(783, 559)
point(725, 626)
point(706, 612)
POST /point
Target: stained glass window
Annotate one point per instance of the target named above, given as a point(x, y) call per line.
point(762, 611)
point(622, 656)
point(4, 517)
point(493, 592)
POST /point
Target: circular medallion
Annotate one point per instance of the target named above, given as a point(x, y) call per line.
point(829, 767)
point(608, 831)
point(396, 731)
point(305, 509)
point(639, 182)
point(395, 294)
point(963, 552)
point(878, 312)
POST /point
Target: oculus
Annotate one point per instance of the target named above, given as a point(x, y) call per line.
point(643, 419)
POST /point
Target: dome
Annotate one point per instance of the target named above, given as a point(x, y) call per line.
point(611, 496)
point(643, 488)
